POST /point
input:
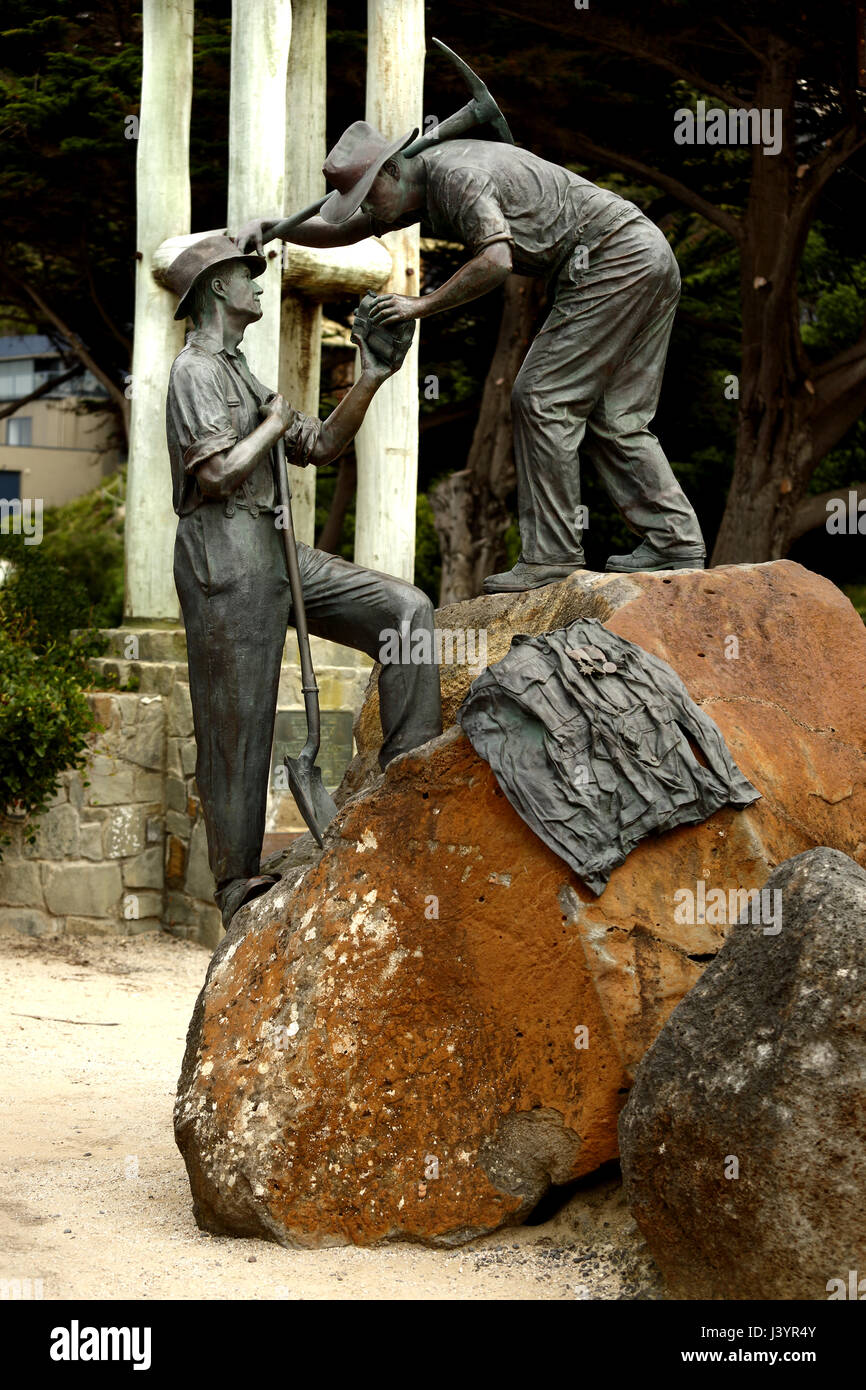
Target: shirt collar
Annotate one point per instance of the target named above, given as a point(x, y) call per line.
point(210, 342)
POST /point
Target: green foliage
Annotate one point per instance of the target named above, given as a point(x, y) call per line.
point(326, 482)
point(72, 580)
point(84, 540)
point(44, 722)
point(52, 599)
point(428, 558)
point(67, 188)
point(857, 595)
point(832, 296)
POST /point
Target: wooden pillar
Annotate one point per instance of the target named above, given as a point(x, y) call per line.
point(261, 34)
point(162, 210)
point(301, 317)
point(387, 443)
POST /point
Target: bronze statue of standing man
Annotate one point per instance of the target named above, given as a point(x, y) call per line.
point(230, 564)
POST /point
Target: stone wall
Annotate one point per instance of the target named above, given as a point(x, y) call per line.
point(122, 847)
point(96, 859)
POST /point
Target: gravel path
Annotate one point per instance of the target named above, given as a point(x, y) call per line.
point(96, 1203)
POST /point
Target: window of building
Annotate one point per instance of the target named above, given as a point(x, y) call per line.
point(17, 379)
point(19, 430)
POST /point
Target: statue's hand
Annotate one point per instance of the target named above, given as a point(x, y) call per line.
point(253, 234)
point(394, 309)
point(371, 363)
point(383, 345)
point(279, 407)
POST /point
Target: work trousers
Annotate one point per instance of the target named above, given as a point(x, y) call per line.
point(233, 585)
point(592, 378)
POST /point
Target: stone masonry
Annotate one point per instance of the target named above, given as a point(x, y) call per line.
point(122, 848)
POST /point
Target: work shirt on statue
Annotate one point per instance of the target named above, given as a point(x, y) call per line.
point(481, 191)
point(213, 401)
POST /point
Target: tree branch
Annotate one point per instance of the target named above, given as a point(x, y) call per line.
point(40, 391)
point(76, 346)
point(726, 220)
point(812, 511)
point(100, 308)
point(636, 43)
point(841, 372)
point(741, 40)
point(724, 330)
point(836, 152)
point(840, 397)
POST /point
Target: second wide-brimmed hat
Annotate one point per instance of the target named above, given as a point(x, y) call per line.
point(203, 255)
point(352, 165)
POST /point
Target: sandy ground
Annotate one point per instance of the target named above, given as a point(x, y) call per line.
point(95, 1201)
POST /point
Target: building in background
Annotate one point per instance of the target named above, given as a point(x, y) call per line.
point(62, 444)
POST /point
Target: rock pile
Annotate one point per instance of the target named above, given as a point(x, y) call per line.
point(419, 1030)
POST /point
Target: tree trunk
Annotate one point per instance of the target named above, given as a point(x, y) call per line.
point(469, 509)
point(344, 491)
point(774, 457)
point(771, 468)
point(791, 413)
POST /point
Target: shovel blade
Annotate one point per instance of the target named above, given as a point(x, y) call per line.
point(312, 799)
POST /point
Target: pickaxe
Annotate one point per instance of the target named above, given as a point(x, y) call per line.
point(481, 110)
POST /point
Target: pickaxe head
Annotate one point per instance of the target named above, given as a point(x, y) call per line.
point(481, 110)
point(486, 109)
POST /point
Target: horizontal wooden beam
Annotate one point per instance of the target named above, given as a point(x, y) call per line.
point(318, 273)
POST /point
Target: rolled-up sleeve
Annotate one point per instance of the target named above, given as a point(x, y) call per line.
point(301, 436)
point(199, 413)
point(471, 205)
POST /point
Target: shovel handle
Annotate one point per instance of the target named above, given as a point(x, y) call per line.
point(308, 676)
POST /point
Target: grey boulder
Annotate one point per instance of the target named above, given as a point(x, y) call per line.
point(743, 1141)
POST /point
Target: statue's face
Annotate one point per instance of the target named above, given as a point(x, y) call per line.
point(241, 292)
point(391, 194)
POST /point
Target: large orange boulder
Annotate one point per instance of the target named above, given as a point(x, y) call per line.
point(420, 1029)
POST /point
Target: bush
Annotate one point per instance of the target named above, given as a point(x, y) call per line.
point(74, 577)
point(44, 723)
point(41, 603)
point(53, 597)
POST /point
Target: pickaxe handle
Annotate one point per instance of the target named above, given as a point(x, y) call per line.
point(294, 220)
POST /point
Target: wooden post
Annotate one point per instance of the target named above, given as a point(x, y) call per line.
point(261, 34)
point(387, 443)
point(162, 210)
point(301, 315)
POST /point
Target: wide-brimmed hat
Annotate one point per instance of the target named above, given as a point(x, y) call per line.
point(353, 164)
point(203, 255)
